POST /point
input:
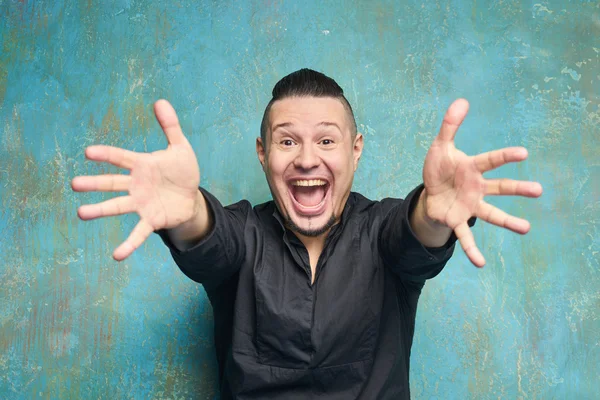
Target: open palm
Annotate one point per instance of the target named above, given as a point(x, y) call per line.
point(455, 186)
point(162, 186)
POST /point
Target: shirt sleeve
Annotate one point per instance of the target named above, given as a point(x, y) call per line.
point(403, 252)
point(220, 253)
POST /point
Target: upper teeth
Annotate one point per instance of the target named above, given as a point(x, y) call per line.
point(310, 182)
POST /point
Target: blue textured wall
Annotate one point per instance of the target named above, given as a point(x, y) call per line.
point(75, 324)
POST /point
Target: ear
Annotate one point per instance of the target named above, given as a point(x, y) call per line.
point(260, 152)
point(357, 148)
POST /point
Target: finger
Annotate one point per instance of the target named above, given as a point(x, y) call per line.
point(454, 117)
point(139, 234)
point(510, 187)
point(496, 158)
point(467, 242)
point(101, 183)
point(495, 216)
point(167, 118)
point(117, 206)
point(114, 155)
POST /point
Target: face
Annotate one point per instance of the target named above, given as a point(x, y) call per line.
point(310, 161)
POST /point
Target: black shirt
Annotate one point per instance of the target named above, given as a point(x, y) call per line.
point(348, 335)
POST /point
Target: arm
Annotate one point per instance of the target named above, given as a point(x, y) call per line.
point(417, 235)
point(455, 189)
point(205, 238)
point(162, 188)
point(212, 256)
point(403, 251)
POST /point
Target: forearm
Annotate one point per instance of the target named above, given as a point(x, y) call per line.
point(429, 232)
point(190, 233)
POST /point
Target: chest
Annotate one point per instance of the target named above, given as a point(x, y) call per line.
point(330, 322)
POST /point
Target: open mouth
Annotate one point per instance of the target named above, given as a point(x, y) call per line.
point(309, 194)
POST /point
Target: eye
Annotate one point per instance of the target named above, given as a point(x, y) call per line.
point(287, 143)
point(327, 142)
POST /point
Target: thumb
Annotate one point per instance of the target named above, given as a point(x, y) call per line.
point(167, 118)
point(454, 117)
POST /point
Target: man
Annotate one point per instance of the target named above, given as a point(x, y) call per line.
point(314, 293)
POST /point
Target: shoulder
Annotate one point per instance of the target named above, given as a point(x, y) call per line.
point(268, 207)
point(259, 211)
point(363, 205)
point(265, 211)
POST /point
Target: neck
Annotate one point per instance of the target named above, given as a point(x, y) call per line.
point(313, 243)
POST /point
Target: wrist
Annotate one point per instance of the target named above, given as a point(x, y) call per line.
point(199, 205)
point(428, 231)
point(423, 211)
point(194, 216)
point(192, 230)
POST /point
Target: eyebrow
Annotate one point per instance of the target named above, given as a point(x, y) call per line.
point(328, 124)
point(320, 124)
point(282, 125)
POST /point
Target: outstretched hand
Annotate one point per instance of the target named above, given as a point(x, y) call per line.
point(455, 186)
point(162, 186)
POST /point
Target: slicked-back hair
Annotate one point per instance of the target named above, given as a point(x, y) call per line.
point(305, 83)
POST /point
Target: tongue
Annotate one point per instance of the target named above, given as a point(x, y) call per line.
point(309, 196)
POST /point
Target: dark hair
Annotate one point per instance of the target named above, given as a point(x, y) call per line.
point(305, 83)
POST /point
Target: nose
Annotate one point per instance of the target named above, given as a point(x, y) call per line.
point(307, 158)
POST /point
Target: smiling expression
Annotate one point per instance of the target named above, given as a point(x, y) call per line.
point(310, 161)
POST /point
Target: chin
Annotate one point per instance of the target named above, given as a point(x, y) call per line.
point(310, 228)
